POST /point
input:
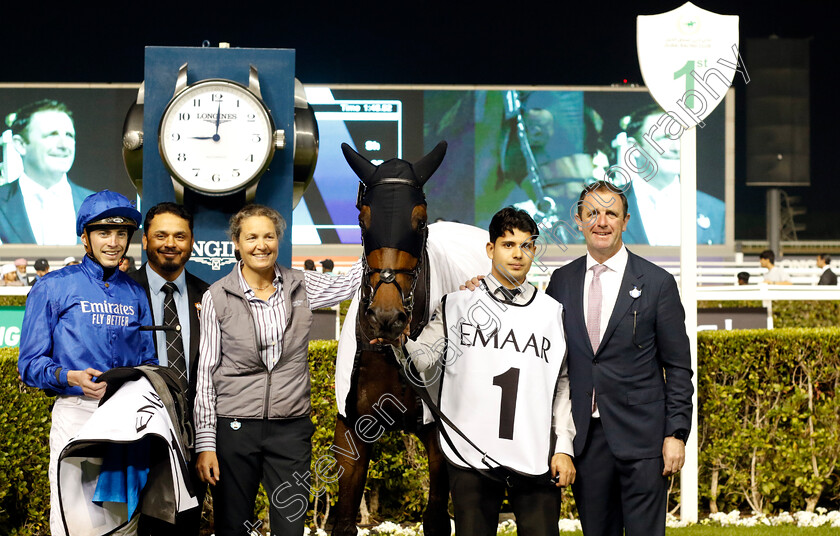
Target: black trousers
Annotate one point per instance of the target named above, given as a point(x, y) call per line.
point(186, 523)
point(477, 500)
point(274, 452)
point(613, 495)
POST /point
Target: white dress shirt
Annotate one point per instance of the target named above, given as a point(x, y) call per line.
point(610, 285)
point(51, 212)
point(659, 211)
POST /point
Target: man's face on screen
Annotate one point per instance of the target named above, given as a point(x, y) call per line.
point(669, 160)
point(49, 147)
point(540, 127)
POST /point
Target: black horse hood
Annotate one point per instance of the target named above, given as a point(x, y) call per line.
point(392, 190)
point(395, 168)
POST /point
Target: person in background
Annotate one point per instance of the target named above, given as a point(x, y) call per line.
point(827, 277)
point(309, 265)
point(127, 265)
point(776, 275)
point(20, 266)
point(10, 278)
point(70, 261)
point(327, 266)
point(743, 278)
point(252, 402)
point(82, 321)
point(42, 268)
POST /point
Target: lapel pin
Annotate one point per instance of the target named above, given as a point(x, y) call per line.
point(635, 293)
point(235, 425)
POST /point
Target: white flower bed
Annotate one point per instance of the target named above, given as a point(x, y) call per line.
point(822, 518)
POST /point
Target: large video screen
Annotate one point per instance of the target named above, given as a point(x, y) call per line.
point(531, 149)
point(57, 145)
point(534, 149)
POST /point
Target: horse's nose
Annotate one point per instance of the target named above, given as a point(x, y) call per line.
point(387, 323)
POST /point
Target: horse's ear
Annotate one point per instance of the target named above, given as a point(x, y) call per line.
point(358, 163)
point(426, 166)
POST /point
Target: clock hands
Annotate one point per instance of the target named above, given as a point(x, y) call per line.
point(218, 117)
point(214, 137)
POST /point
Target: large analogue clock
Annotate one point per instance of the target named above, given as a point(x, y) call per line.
point(217, 137)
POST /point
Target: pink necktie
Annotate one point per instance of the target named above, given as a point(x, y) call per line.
point(593, 308)
point(593, 314)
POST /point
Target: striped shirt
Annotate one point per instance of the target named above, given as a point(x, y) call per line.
point(322, 290)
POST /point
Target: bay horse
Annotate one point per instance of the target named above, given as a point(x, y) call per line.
point(408, 266)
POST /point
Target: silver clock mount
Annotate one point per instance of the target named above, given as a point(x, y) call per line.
point(305, 144)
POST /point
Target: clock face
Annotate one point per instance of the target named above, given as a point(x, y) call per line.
point(216, 137)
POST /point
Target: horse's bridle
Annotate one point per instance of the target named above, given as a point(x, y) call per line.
point(388, 276)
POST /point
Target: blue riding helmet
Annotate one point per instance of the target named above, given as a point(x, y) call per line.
point(107, 208)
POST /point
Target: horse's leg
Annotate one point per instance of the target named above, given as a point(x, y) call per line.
point(436, 515)
point(353, 456)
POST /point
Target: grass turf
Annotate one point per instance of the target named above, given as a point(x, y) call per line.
point(711, 530)
point(714, 530)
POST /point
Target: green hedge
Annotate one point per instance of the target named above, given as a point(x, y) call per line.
point(24, 453)
point(769, 433)
point(12, 300)
point(395, 488)
point(792, 313)
point(786, 313)
point(399, 473)
point(769, 423)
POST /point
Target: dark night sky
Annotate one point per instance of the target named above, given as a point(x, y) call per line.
point(522, 43)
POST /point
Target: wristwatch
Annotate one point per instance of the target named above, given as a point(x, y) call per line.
point(681, 434)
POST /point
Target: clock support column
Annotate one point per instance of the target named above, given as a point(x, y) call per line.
point(213, 254)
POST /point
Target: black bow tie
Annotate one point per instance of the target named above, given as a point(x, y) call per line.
point(508, 293)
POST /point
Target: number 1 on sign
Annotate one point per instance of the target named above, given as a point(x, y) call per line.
point(685, 71)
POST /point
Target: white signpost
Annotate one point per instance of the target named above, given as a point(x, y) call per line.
point(688, 58)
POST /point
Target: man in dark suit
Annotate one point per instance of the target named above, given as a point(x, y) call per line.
point(630, 373)
point(828, 277)
point(168, 242)
point(40, 206)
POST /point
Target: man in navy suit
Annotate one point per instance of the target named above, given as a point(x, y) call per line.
point(40, 206)
point(630, 373)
